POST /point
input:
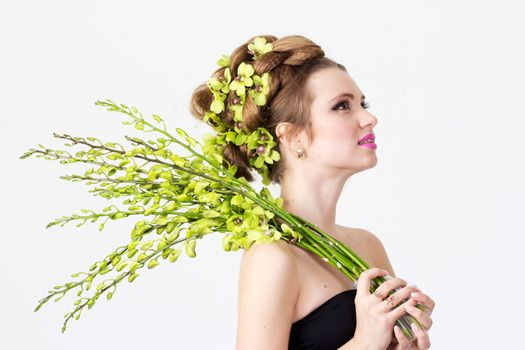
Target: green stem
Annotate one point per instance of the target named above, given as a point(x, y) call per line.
point(357, 259)
point(320, 251)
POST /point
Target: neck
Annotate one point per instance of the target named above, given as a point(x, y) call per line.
point(313, 196)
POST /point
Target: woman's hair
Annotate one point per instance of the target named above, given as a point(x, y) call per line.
point(290, 63)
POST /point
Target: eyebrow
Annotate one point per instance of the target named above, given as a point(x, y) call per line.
point(347, 94)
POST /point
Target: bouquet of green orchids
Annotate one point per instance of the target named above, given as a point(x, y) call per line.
point(177, 200)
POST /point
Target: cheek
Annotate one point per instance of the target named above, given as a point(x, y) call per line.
point(336, 140)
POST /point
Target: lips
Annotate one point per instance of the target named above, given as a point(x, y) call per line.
point(369, 137)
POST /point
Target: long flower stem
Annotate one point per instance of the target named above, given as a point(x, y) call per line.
point(224, 184)
point(322, 253)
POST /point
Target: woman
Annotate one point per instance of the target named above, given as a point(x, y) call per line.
point(289, 298)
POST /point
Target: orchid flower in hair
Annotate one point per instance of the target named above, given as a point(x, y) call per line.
point(224, 61)
point(214, 120)
point(237, 108)
point(262, 88)
point(219, 88)
point(259, 47)
point(262, 143)
point(243, 79)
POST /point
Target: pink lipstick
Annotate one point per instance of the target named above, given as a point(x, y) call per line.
point(368, 141)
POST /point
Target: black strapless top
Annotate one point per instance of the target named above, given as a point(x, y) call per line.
point(327, 327)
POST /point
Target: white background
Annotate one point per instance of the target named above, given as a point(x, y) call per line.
point(445, 79)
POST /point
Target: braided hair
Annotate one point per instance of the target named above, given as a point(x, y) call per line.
point(290, 63)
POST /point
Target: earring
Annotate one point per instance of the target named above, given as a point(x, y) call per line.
point(300, 152)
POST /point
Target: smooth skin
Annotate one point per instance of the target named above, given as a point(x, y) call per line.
point(268, 290)
point(268, 280)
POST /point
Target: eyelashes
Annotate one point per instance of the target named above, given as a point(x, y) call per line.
point(364, 104)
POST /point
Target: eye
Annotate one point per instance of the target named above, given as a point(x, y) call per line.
point(342, 103)
point(364, 104)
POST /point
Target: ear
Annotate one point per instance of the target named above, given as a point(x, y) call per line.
point(283, 132)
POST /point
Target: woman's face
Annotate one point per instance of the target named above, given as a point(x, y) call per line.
point(339, 121)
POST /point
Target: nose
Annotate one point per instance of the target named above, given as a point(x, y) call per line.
point(368, 119)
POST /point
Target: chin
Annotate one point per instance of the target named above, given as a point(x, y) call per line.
point(373, 162)
point(368, 164)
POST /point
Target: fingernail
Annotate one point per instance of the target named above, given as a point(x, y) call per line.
point(414, 294)
point(414, 326)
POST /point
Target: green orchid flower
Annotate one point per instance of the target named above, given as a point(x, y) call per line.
point(214, 84)
point(213, 119)
point(221, 85)
point(261, 137)
point(263, 236)
point(236, 138)
point(217, 106)
point(263, 145)
point(261, 90)
point(259, 47)
point(237, 108)
point(265, 174)
point(224, 61)
point(220, 88)
point(243, 79)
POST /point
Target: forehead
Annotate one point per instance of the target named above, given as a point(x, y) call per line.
point(329, 83)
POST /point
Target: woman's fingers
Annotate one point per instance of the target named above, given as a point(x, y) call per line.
point(423, 341)
point(398, 311)
point(424, 299)
point(390, 285)
point(396, 305)
point(402, 294)
point(402, 341)
point(363, 283)
point(419, 315)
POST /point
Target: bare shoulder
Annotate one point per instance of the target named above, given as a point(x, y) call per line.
point(375, 246)
point(276, 255)
point(268, 290)
point(276, 247)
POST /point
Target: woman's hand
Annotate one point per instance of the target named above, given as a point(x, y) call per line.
point(375, 315)
point(400, 342)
